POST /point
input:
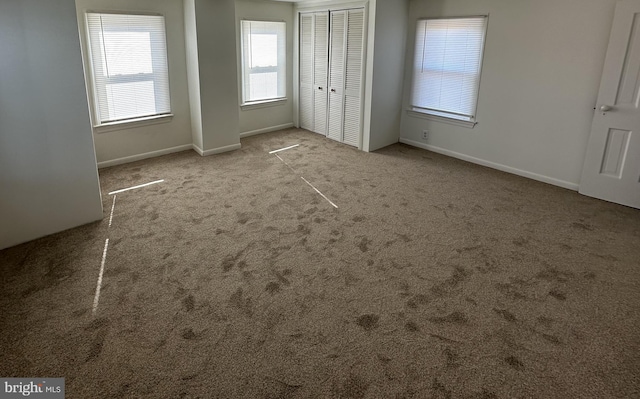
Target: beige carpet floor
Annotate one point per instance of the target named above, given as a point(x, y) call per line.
point(234, 278)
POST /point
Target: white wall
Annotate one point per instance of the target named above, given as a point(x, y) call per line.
point(387, 42)
point(215, 48)
point(542, 67)
point(193, 71)
point(133, 141)
point(48, 175)
point(255, 119)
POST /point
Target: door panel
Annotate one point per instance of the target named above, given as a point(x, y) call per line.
point(612, 163)
point(355, 33)
point(352, 121)
point(336, 74)
point(336, 107)
point(628, 88)
point(306, 71)
point(320, 64)
point(615, 149)
point(353, 78)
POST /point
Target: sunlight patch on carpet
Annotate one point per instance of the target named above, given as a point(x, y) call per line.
point(284, 149)
point(96, 298)
point(318, 191)
point(135, 187)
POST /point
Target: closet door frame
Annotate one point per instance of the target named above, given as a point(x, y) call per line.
point(337, 6)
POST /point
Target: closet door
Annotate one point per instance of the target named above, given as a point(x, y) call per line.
point(320, 64)
point(346, 63)
point(336, 74)
point(352, 119)
point(314, 58)
point(306, 72)
point(331, 66)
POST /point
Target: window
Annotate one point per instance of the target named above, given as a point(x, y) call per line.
point(446, 69)
point(263, 61)
point(129, 66)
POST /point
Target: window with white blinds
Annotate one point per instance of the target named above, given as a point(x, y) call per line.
point(264, 60)
point(129, 66)
point(446, 68)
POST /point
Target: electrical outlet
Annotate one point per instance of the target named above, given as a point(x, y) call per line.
point(425, 135)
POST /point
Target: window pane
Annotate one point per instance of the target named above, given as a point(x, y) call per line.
point(127, 53)
point(264, 50)
point(131, 100)
point(448, 57)
point(129, 59)
point(263, 85)
point(263, 60)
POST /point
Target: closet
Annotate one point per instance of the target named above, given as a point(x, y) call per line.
point(331, 74)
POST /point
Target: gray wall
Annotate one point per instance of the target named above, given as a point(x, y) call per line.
point(387, 72)
point(131, 142)
point(212, 46)
point(193, 71)
point(48, 175)
point(542, 67)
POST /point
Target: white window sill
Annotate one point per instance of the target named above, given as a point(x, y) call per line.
point(132, 123)
point(263, 104)
point(451, 121)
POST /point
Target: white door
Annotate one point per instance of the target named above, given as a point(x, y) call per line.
point(314, 55)
point(611, 169)
point(346, 64)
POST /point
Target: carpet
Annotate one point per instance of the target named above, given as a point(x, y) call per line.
point(322, 271)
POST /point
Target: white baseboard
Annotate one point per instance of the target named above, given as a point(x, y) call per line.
point(218, 150)
point(493, 165)
point(146, 155)
point(266, 130)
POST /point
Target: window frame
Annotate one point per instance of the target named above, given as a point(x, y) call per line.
point(439, 115)
point(245, 70)
point(96, 92)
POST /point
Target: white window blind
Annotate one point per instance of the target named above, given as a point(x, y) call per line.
point(264, 61)
point(446, 70)
point(129, 66)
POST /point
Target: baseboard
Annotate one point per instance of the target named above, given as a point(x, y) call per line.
point(493, 165)
point(146, 155)
point(266, 130)
point(218, 150)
